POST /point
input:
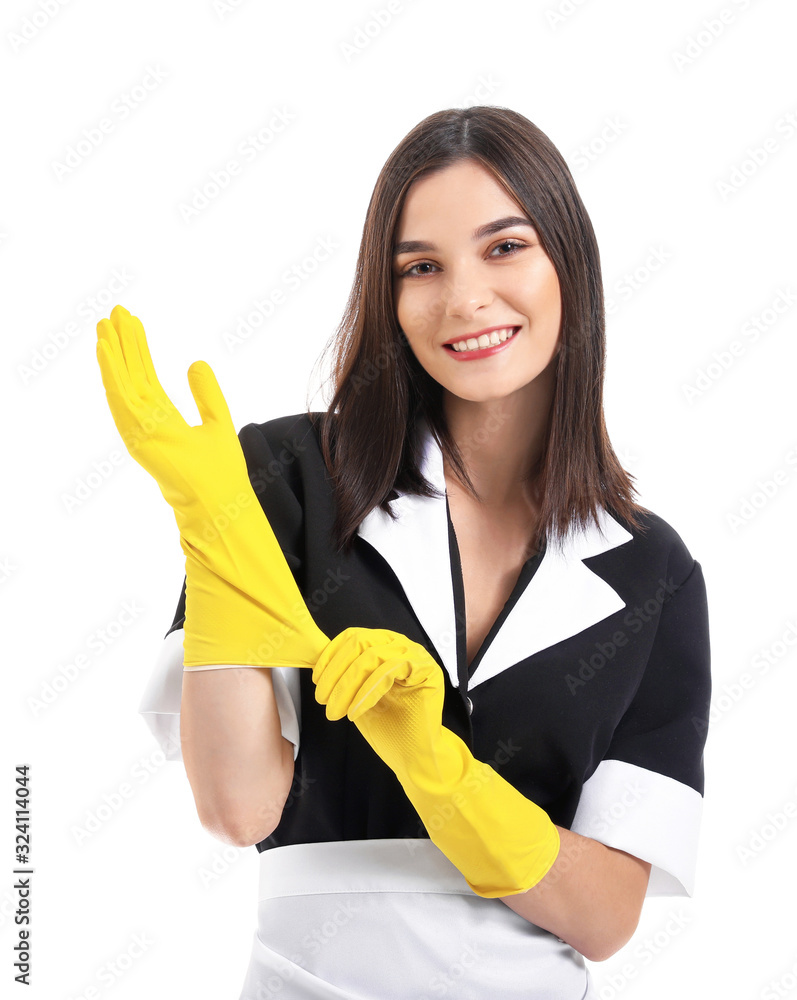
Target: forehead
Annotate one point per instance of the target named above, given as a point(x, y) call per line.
point(463, 199)
point(464, 185)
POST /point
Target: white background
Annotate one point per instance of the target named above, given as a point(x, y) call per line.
point(657, 109)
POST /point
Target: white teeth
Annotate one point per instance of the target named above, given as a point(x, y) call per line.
point(485, 340)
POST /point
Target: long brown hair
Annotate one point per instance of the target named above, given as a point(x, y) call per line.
point(370, 435)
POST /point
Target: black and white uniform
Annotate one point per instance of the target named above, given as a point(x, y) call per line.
point(588, 695)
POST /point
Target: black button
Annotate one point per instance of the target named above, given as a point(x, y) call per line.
point(470, 706)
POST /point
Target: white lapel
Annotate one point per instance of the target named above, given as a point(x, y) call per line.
point(564, 596)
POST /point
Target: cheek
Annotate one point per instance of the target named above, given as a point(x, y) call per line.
point(403, 305)
point(413, 310)
point(550, 297)
point(556, 303)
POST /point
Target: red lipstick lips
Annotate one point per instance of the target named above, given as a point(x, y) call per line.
point(482, 352)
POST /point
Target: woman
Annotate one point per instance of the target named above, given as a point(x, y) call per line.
point(519, 648)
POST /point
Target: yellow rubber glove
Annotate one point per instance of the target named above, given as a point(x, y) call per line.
point(242, 602)
point(392, 689)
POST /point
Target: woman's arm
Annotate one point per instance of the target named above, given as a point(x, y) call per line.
point(239, 765)
point(591, 897)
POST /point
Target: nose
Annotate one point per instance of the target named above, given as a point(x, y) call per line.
point(464, 292)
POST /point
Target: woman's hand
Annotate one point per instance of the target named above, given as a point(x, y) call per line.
point(390, 687)
point(242, 603)
point(363, 666)
point(198, 469)
point(393, 690)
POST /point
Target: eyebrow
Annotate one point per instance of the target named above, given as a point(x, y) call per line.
point(488, 229)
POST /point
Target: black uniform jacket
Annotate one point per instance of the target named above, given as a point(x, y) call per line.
point(589, 694)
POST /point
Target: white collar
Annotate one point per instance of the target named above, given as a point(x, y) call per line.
point(563, 597)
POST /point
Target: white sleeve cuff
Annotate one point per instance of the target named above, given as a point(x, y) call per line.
point(289, 701)
point(160, 703)
point(647, 814)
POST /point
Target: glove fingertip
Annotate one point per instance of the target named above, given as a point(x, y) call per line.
point(332, 715)
point(118, 313)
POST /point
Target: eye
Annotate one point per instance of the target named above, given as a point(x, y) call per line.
point(514, 246)
point(408, 272)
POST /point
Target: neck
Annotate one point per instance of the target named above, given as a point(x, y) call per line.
point(501, 441)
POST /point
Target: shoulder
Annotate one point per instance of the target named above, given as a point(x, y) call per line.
point(660, 537)
point(294, 430)
point(655, 550)
point(289, 475)
point(286, 447)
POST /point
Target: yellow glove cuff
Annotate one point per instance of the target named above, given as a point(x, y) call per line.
point(502, 842)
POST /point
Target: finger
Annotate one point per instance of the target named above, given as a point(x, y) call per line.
point(342, 650)
point(210, 402)
point(115, 392)
point(375, 686)
point(126, 332)
point(335, 659)
point(146, 359)
point(106, 332)
point(360, 687)
point(147, 385)
point(358, 674)
point(125, 397)
point(423, 664)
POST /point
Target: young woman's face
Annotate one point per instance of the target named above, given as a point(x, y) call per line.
point(463, 284)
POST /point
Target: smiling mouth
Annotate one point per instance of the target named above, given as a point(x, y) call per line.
point(486, 340)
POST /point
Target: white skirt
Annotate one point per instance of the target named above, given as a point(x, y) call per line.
point(391, 919)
